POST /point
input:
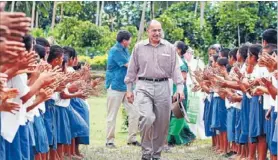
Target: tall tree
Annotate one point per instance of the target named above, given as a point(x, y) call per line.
point(54, 15)
point(101, 12)
point(97, 15)
point(142, 22)
point(12, 7)
point(33, 14)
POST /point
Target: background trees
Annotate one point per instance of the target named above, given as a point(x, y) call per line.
point(91, 26)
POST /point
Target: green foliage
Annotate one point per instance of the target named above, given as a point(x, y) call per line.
point(85, 36)
point(37, 32)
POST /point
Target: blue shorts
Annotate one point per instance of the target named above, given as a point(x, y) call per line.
point(273, 135)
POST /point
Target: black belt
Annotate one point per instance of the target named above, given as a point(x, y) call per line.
point(153, 79)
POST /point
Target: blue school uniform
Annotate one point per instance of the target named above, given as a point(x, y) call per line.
point(208, 116)
point(50, 123)
point(82, 109)
point(219, 115)
point(2, 144)
point(231, 123)
point(41, 139)
point(32, 142)
point(256, 117)
point(78, 126)
point(272, 144)
point(244, 119)
point(13, 150)
point(24, 133)
point(237, 125)
point(63, 125)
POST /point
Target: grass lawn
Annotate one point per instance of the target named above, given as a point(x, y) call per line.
point(199, 150)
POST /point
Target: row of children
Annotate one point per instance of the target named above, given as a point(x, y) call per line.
point(241, 101)
point(43, 109)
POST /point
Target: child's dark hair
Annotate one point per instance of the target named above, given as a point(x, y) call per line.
point(28, 41)
point(233, 53)
point(215, 57)
point(182, 46)
point(270, 36)
point(243, 51)
point(55, 51)
point(70, 52)
point(228, 68)
point(40, 50)
point(225, 52)
point(78, 66)
point(42, 41)
point(255, 50)
point(223, 61)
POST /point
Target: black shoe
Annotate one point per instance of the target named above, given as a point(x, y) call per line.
point(155, 158)
point(229, 154)
point(134, 143)
point(110, 145)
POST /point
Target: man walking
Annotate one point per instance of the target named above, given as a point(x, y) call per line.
point(153, 62)
point(116, 89)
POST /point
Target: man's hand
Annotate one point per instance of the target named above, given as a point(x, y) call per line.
point(130, 97)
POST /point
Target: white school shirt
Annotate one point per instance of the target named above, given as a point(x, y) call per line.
point(62, 102)
point(274, 102)
point(258, 72)
point(11, 122)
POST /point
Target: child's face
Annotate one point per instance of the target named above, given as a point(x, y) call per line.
point(73, 62)
point(57, 61)
point(214, 64)
point(231, 60)
point(238, 56)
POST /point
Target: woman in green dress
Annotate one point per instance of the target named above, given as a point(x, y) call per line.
point(179, 131)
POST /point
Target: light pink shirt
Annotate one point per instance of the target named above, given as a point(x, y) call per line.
point(154, 62)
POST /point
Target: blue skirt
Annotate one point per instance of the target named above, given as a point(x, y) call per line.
point(267, 127)
point(32, 142)
point(219, 115)
point(207, 118)
point(63, 125)
point(41, 139)
point(244, 119)
point(256, 117)
point(78, 126)
point(231, 119)
point(83, 110)
point(13, 150)
point(25, 141)
point(2, 144)
point(50, 123)
point(237, 125)
point(271, 142)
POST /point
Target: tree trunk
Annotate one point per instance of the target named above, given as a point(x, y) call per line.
point(152, 9)
point(37, 19)
point(167, 4)
point(97, 15)
point(12, 7)
point(33, 14)
point(100, 14)
point(141, 28)
point(54, 15)
point(202, 10)
point(196, 8)
point(238, 29)
point(62, 11)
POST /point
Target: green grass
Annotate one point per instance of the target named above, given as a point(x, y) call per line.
point(199, 150)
